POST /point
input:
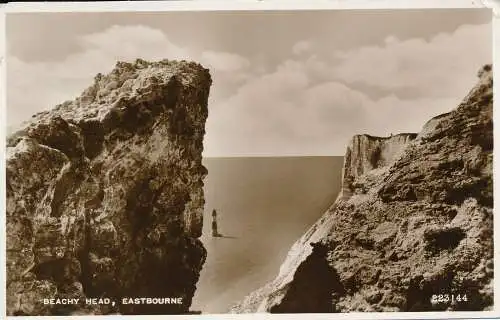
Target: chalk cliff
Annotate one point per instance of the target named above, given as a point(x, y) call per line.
point(415, 219)
point(104, 194)
point(366, 153)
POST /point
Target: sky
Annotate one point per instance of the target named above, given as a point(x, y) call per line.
point(284, 82)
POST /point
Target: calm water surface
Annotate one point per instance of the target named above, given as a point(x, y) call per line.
point(264, 205)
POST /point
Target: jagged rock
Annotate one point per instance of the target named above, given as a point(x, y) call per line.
point(422, 224)
point(366, 153)
point(104, 193)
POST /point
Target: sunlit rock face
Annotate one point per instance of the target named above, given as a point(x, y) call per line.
point(366, 153)
point(414, 219)
point(104, 194)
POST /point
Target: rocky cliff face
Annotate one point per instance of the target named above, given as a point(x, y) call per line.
point(414, 223)
point(104, 194)
point(366, 153)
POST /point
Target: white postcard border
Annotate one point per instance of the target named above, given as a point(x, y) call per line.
point(209, 5)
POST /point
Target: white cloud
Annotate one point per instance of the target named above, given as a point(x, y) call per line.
point(50, 83)
point(126, 43)
point(286, 113)
point(224, 61)
point(34, 87)
point(390, 40)
point(308, 104)
point(440, 67)
point(301, 47)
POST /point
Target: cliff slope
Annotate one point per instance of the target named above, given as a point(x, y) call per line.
point(408, 225)
point(104, 194)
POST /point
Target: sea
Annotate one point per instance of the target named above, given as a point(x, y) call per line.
point(263, 204)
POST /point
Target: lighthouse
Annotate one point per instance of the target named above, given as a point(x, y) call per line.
point(215, 232)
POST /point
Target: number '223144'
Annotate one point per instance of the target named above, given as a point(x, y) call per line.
point(448, 298)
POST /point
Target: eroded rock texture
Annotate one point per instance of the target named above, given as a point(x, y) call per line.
point(104, 193)
point(412, 224)
point(366, 153)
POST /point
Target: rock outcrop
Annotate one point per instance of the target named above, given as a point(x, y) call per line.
point(415, 223)
point(104, 194)
point(366, 153)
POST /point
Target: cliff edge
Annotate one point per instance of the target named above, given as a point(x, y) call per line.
point(104, 194)
point(366, 153)
point(414, 220)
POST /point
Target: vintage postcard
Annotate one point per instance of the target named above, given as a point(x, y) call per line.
point(186, 159)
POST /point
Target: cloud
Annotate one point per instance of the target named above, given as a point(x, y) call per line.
point(50, 83)
point(312, 105)
point(301, 47)
point(434, 67)
point(224, 61)
point(307, 104)
point(286, 112)
point(390, 40)
point(34, 87)
point(101, 50)
point(228, 71)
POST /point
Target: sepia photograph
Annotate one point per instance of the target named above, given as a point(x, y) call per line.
point(199, 162)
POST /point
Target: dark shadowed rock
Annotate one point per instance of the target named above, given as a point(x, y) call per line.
point(104, 193)
point(413, 223)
